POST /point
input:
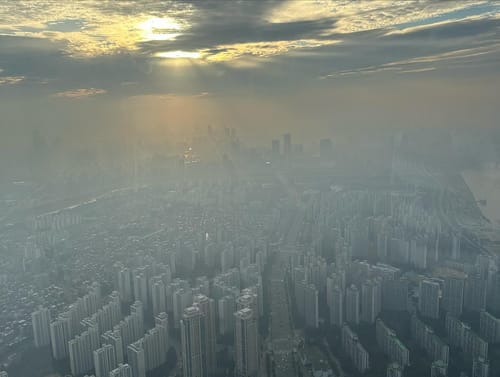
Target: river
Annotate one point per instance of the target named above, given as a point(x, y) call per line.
point(485, 185)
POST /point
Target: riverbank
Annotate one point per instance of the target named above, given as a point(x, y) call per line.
point(485, 185)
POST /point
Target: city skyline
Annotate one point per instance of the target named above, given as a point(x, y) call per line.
point(99, 72)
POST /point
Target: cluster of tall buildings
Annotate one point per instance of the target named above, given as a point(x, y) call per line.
point(150, 351)
point(358, 254)
point(69, 323)
point(82, 348)
point(147, 284)
point(395, 232)
point(55, 220)
point(101, 345)
point(198, 336)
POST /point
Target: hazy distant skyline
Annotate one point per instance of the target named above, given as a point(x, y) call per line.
point(93, 70)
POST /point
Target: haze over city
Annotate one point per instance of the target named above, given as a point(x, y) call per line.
point(249, 188)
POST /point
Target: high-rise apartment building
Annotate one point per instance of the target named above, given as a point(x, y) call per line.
point(136, 359)
point(60, 335)
point(453, 295)
point(428, 303)
point(191, 341)
point(207, 309)
point(337, 306)
point(246, 344)
point(40, 320)
point(125, 285)
point(352, 307)
point(371, 300)
point(104, 360)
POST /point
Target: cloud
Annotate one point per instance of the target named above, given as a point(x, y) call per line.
point(80, 93)
point(447, 29)
point(169, 96)
point(446, 59)
point(87, 28)
point(418, 70)
point(450, 55)
point(358, 16)
point(11, 80)
point(222, 47)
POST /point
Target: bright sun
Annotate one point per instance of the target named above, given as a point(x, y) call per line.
point(179, 55)
point(160, 29)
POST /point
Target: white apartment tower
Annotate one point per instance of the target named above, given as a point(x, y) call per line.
point(40, 320)
point(246, 344)
point(191, 341)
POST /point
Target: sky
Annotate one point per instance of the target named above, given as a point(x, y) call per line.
point(88, 72)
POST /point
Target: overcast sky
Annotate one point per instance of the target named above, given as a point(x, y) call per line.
point(81, 71)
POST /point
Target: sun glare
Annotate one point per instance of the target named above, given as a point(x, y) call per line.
point(178, 55)
point(160, 29)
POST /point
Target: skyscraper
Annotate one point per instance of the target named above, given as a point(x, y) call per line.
point(352, 305)
point(137, 308)
point(136, 359)
point(125, 285)
point(81, 350)
point(287, 145)
point(248, 301)
point(158, 295)
point(60, 334)
point(337, 307)
point(246, 344)
point(182, 299)
point(140, 283)
point(123, 370)
point(40, 320)
point(428, 303)
point(390, 344)
point(354, 349)
point(489, 327)
point(132, 327)
point(114, 338)
point(191, 341)
point(475, 293)
point(453, 295)
point(154, 347)
point(226, 309)
point(161, 321)
point(104, 360)
point(207, 309)
point(371, 300)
